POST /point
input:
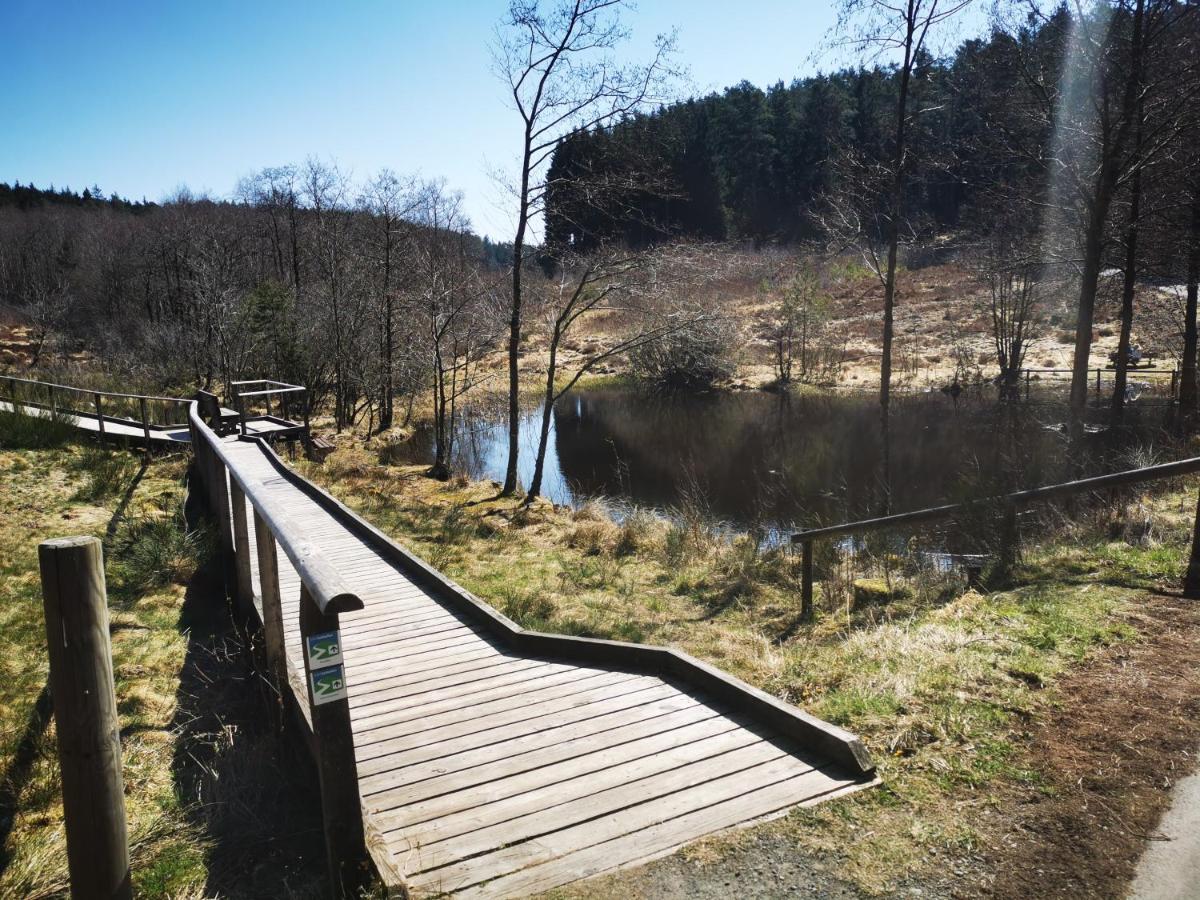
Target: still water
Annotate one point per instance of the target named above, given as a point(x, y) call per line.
point(766, 460)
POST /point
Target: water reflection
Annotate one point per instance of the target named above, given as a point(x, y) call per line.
point(770, 460)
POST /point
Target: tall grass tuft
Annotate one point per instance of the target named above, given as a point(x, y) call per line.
point(108, 473)
point(152, 552)
point(19, 431)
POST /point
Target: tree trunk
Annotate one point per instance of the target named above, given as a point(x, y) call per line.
point(889, 285)
point(1123, 343)
point(514, 330)
point(539, 465)
point(1187, 382)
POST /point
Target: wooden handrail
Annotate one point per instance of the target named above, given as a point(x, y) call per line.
point(324, 584)
point(1008, 502)
point(1019, 498)
point(94, 391)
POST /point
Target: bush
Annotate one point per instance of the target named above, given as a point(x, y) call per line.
point(154, 552)
point(527, 609)
point(694, 357)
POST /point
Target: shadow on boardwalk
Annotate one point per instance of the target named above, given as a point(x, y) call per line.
point(250, 790)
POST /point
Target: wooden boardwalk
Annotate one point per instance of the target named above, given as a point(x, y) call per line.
point(485, 770)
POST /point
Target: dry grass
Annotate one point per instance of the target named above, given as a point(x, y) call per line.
point(940, 685)
point(49, 493)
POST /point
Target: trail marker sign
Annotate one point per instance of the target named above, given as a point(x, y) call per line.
point(328, 684)
point(324, 649)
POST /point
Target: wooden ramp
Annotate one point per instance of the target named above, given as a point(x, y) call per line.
point(496, 762)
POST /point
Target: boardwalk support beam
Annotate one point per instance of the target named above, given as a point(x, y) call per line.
point(85, 717)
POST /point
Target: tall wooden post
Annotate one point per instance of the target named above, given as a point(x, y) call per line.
point(146, 425)
point(272, 606)
point(1097, 382)
point(99, 414)
point(341, 809)
point(241, 547)
point(806, 580)
point(85, 716)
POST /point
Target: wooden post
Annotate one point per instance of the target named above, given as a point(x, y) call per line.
point(241, 411)
point(272, 606)
point(99, 414)
point(53, 403)
point(341, 809)
point(1027, 374)
point(219, 507)
point(1191, 581)
point(241, 547)
point(1097, 382)
point(1174, 382)
point(806, 580)
point(85, 716)
point(146, 426)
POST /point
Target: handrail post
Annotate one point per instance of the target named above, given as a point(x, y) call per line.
point(272, 605)
point(85, 717)
point(219, 507)
point(240, 404)
point(53, 403)
point(333, 741)
point(806, 581)
point(241, 547)
point(99, 414)
point(1027, 374)
point(146, 425)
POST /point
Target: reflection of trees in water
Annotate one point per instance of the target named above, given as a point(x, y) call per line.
point(768, 459)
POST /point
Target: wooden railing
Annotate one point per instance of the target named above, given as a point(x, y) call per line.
point(323, 597)
point(148, 411)
point(1009, 503)
point(262, 390)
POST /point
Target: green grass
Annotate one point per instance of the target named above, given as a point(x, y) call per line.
point(48, 493)
point(19, 431)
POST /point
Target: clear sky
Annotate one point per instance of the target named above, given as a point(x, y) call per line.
point(143, 97)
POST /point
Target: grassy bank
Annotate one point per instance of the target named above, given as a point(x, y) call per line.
point(941, 682)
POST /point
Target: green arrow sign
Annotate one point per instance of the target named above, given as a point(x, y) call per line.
point(328, 684)
point(324, 649)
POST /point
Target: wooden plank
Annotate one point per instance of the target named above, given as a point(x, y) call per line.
point(364, 680)
point(397, 665)
point(526, 707)
point(475, 698)
point(397, 754)
point(661, 838)
point(744, 785)
point(437, 800)
point(560, 807)
point(460, 673)
point(453, 692)
point(521, 754)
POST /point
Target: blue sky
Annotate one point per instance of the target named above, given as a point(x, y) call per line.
point(142, 97)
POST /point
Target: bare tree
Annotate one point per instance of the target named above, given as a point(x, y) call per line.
point(886, 29)
point(557, 60)
point(1012, 305)
point(456, 308)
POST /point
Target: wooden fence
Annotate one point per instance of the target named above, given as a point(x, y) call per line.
point(152, 413)
point(1009, 503)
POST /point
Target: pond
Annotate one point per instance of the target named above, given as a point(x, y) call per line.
point(755, 459)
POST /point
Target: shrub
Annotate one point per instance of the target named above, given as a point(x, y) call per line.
point(636, 534)
point(693, 357)
point(154, 552)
